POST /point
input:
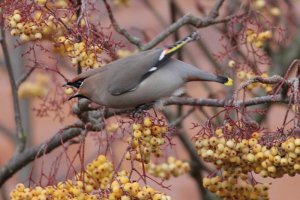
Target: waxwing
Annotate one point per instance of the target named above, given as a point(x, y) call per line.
point(141, 78)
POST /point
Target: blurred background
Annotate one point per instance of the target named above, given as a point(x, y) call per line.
point(42, 117)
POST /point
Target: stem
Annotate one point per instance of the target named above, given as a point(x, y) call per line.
point(21, 137)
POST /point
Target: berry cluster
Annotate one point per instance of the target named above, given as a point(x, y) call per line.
point(258, 39)
point(123, 189)
point(36, 88)
point(234, 184)
point(146, 139)
point(63, 190)
point(80, 52)
point(165, 171)
point(249, 153)
point(43, 25)
point(261, 5)
point(243, 76)
point(97, 176)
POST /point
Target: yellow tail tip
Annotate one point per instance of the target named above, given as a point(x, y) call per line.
point(229, 82)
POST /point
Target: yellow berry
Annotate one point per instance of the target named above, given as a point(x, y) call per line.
point(264, 75)
point(17, 17)
point(252, 142)
point(137, 133)
point(147, 121)
point(250, 157)
point(230, 143)
point(136, 126)
point(155, 130)
point(231, 63)
point(125, 197)
point(41, 2)
point(256, 135)
point(24, 37)
point(15, 32)
point(241, 75)
point(297, 141)
point(141, 195)
point(259, 4)
point(259, 44)
point(284, 162)
point(69, 91)
point(38, 36)
point(269, 89)
point(213, 141)
point(275, 11)
point(219, 132)
point(272, 169)
point(157, 197)
point(206, 182)
point(146, 131)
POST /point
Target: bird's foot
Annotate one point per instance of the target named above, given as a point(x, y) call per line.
point(140, 109)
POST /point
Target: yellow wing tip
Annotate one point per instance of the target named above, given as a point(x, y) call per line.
point(229, 82)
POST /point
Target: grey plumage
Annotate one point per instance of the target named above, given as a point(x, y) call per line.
point(138, 79)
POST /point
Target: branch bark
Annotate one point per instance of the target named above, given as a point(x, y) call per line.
point(187, 19)
point(21, 137)
point(20, 160)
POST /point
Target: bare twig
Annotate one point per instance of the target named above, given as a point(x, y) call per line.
point(134, 40)
point(3, 193)
point(196, 163)
point(21, 137)
point(25, 76)
point(221, 102)
point(187, 19)
point(214, 12)
point(20, 160)
point(9, 134)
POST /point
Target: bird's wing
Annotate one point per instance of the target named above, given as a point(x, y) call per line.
point(126, 74)
point(129, 72)
point(138, 67)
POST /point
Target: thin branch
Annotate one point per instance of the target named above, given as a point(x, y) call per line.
point(196, 163)
point(20, 160)
point(3, 193)
point(187, 19)
point(134, 40)
point(21, 137)
point(214, 12)
point(6, 132)
point(25, 76)
point(221, 102)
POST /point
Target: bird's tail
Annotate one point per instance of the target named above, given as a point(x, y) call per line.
point(225, 80)
point(169, 51)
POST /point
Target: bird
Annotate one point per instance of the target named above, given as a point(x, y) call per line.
point(139, 79)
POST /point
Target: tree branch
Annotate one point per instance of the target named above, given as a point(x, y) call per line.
point(6, 132)
point(20, 160)
point(21, 137)
point(187, 19)
point(24, 76)
point(134, 40)
point(221, 102)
